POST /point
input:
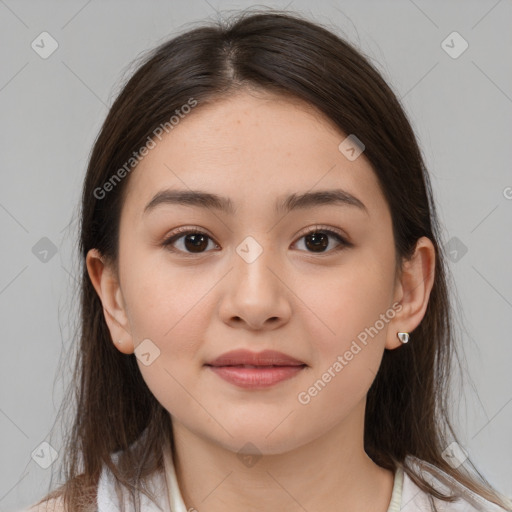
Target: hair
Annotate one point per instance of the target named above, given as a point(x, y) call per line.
point(407, 411)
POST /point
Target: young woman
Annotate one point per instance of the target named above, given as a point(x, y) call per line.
point(265, 313)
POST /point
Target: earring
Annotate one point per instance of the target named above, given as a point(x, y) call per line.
point(403, 336)
point(119, 341)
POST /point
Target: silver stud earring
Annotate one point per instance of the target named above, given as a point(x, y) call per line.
point(119, 341)
point(403, 336)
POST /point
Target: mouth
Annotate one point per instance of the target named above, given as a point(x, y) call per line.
point(251, 370)
point(256, 377)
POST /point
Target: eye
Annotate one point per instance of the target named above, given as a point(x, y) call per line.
point(317, 239)
point(194, 241)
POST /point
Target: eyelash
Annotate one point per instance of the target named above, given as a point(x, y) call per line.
point(181, 232)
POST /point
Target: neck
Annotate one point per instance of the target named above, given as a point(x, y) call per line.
point(330, 473)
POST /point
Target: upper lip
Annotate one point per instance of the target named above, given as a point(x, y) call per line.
point(246, 357)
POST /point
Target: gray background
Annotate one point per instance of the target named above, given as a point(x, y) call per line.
point(52, 109)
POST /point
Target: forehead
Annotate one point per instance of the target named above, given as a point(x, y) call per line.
point(251, 147)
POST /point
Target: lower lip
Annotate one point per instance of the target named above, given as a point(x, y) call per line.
point(254, 378)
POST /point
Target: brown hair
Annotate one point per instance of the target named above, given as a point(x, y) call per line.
point(407, 404)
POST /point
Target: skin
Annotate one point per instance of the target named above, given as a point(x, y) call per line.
point(254, 148)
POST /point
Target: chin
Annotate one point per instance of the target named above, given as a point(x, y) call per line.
point(252, 440)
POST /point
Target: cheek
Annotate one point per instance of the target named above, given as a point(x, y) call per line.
point(173, 309)
point(349, 342)
point(166, 304)
point(348, 304)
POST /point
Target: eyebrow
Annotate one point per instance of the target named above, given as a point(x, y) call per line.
point(291, 202)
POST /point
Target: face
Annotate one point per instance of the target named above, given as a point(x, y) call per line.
point(315, 282)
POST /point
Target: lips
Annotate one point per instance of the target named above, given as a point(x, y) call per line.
point(253, 371)
point(248, 359)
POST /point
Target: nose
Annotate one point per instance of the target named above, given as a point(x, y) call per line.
point(256, 294)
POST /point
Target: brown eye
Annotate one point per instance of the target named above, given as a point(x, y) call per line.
point(194, 242)
point(317, 240)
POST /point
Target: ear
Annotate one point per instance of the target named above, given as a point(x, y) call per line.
point(106, 284)
point(412, 290)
